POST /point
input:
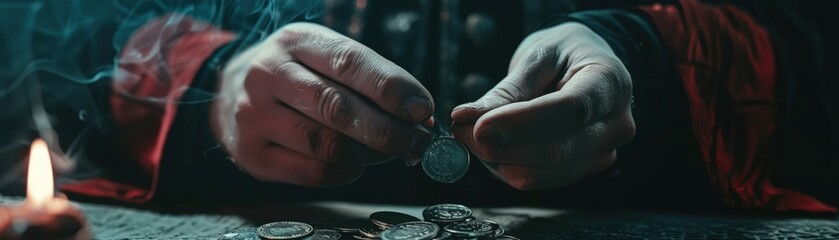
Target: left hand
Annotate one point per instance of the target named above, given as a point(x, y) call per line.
point(558, 116)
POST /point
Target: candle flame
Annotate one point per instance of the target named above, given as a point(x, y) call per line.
point(39, 182)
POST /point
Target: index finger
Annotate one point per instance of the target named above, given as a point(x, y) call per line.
point(359, 68)
point(589, 96)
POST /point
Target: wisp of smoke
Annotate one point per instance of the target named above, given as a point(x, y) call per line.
point(68, 50)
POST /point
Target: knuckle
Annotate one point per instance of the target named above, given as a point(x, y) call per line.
point(345, 54)
point(335, 108)
point(383, 138)
point(291, 34)
point(580, 105)
point(385, 83)
point(265, 71)
point(614, 74)
point(510, 90)
point(285, 69)
point(330, 146)
point(319, 141)
point(542, 56)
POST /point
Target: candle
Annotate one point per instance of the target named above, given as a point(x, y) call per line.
point(42, 215)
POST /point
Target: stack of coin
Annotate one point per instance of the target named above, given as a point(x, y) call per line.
point(440, 222)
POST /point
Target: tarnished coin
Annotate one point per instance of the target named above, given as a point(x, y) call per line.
point(498, 232)
point(241, 234)
point(472, 229)
point(416, 230)
point(324, 234)
point(351, 226)
point(445, 160)
point(285, 230)
point(371, 232)
point(385, 219)
point(446, 213)
point(361, 237)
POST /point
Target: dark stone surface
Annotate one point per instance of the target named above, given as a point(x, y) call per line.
point(116, 222)
point(657, 225)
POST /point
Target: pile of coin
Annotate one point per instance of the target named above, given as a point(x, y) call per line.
point(442, 221)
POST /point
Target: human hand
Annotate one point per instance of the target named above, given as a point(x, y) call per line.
point(5, 223)
point(311, 107)
point(559, 114)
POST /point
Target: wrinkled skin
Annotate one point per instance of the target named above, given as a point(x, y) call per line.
point(311, 107)
point(558, 115)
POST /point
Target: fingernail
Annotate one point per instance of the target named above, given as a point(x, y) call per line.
point(417, 107)
point(491, 134)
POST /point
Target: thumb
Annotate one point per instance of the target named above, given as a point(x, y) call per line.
point(524, 82)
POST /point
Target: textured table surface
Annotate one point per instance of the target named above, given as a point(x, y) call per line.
point(115, 222)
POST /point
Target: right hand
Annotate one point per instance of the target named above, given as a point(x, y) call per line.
point(311, 107)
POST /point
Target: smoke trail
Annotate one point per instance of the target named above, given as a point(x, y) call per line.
point(69, 51)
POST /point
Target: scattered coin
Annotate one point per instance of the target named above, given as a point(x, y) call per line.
point(386, 219)
point(324, 234)
point(360, 237)
point(241, 234)
point(441, 222)
point(445, 160)
point(472, 229)
point(499, 232)
point(416, 230)
point(371, 232)
point(446, 213)
point(285, 230)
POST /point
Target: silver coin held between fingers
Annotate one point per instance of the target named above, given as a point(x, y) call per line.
point(416, 230)
point(285, 230)
point(445, 160)
point(446, 213)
